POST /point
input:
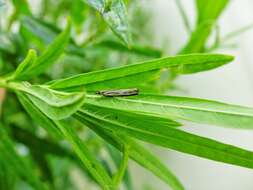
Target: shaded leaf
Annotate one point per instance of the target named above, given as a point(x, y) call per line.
point(35, 29)
point(114, 14)
point(87, 158)
point(55, 104)
point(49, 56)
point(22, 7)
point(137, 49)
point(17, 163)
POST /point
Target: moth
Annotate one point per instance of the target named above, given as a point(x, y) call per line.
point(119, 92)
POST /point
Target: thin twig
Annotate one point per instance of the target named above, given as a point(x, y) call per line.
point(183, 15)
point(237, 32)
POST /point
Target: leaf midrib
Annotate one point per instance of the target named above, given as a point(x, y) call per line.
point(174, 139)
point(174, 106)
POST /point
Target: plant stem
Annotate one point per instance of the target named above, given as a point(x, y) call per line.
point(123, 166)
point(5, 83)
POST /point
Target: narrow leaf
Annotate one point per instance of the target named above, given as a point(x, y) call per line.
point(21, 167)
point(25, 65)
point(183, 108)
point(174, 139)
point(199, 36)
point(137, 152)
point(210, 10)
point(41, 32)
point(88, 160)
point(142, 71)
point(208, 13)
point(38, 117)
point(48, 57)
point(136, 49)
point(55, 104)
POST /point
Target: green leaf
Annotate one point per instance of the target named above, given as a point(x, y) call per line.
point(118, 177)
point(55, 127)
point(183, 108)
point(41, 32)
point(139, 118)
point(199, 36)
point(87, 158)
point(22, 7)
point(49, 56)
point(141, 72)
point(6, 44)
point(17, 163)
point(174, 139)
point(37, 116)
point(78, 13)
point(210, 10)
point(25, 65)
point(208, 13)
point(114, 14)
point(55, 104)
point(136, 49)
point(137, 152)
point(115, 156)
point(43, 145)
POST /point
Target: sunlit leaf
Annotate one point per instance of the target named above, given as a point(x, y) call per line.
point(181, 108)
point(137, 152)
point(173, 138)
point(141, 72)
point(208, 13)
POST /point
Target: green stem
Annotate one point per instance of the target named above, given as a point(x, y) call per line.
point(122, 169)
point(5, 83)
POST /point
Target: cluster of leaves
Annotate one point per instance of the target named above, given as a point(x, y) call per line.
point(52, 120)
